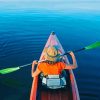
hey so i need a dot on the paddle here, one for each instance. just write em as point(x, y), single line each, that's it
point(12, 69)
point(9, 70)
point(91, 46)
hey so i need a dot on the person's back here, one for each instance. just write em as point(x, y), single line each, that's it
point(51, 69)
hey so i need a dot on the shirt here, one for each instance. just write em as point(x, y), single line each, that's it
point(51, 69)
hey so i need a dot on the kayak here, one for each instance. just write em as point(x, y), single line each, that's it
point(70, 92)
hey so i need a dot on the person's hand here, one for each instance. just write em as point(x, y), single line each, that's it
point(35, 62)
point(71, 53)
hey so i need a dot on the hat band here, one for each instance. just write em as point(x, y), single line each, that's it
point(52, 56)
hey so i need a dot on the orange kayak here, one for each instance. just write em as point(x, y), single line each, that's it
point(68, 93)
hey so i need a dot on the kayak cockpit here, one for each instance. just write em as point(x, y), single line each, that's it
point(50, 92)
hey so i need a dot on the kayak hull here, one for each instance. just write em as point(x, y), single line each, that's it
point(68, 93)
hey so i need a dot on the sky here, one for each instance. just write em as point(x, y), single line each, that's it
point(53, 5)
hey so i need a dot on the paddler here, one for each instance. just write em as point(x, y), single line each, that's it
point(53, 64)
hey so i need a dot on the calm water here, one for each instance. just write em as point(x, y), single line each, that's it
point(23, 36)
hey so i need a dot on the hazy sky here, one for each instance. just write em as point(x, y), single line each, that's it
point(60, 5)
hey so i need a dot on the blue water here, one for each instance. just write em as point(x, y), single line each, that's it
point(23, 36)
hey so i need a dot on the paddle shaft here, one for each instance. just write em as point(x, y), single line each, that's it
point(25, 65)
point(91, 46)
point(74, 51)
point(60, 55)
point(94, 45)
point(30, 64)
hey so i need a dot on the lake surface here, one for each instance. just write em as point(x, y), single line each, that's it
point(23, 36)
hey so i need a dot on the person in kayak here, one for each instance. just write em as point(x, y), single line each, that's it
point(53, 64)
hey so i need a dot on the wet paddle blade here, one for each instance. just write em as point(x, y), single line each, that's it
point(9, 70)
point(92, 46)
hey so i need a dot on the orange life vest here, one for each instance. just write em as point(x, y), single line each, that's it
point(51, 69)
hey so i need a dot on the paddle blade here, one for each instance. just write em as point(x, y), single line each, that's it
point(92, 46)
point(9, 70)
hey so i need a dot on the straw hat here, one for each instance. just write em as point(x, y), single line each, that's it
point(51, 53)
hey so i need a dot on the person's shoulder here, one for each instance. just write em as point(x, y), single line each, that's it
point(42, 63)
point(61, 63)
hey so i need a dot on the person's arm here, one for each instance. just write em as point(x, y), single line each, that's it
point(37, 71)
point(74, 65)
